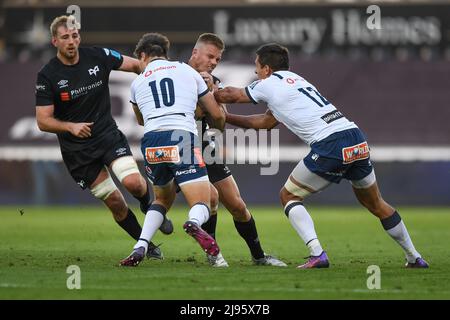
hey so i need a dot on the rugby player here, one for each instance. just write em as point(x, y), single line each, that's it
point(339, 149)
point(73, 101)
point(164, 98)
point(206, 55)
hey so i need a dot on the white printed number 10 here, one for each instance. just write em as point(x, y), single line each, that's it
point(309, 92)
point(167, 92)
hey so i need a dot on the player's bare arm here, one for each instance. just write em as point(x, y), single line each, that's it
point(48, 123)
point(138, 114)
point(214, 110)
point(232, 95)
point(130, 64)
point(254, 121)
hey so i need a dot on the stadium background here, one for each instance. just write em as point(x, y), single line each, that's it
point(393, 83)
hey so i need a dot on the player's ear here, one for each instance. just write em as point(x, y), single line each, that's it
point(54, 41)
point(267, 70)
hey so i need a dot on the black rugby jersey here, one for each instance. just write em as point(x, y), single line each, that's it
point(205, 125)
point(80, 93)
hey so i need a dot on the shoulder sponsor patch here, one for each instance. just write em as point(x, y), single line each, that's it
point(163, 154)
point(40, 87)
point(115, 54)
point(355, 153)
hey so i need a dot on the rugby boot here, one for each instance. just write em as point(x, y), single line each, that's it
point(419, 263)
point(166, 226)
point(205, 241)
point(217, 261)
point(320, 261)
point(154, 252)
point(134, 258)
point(269, 260)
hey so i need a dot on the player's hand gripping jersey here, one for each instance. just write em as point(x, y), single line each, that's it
point(167, 95)
point(297, 104)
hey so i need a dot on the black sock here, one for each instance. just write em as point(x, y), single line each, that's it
point(131, 225)
point(144, 200)
point(247, 230)
point(210, 226)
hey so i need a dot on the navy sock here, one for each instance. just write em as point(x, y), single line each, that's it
point(131, 225)
point(247, 230)
point(210, 225)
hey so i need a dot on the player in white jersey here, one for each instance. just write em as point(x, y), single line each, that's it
point(338, 149)
point(164, 98)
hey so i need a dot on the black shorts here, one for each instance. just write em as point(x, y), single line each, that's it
point(217, 172)
point(85, 165)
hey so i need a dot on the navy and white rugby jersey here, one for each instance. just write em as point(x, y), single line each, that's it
point(166, 93)
point(297, 104)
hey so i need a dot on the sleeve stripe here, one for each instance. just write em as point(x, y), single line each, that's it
point(249, 95)
point(203, 93)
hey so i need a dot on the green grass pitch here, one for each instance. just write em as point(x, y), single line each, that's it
point(38, 244)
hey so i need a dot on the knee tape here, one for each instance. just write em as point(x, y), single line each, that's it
point(104, 189)
point(124, 166)
point(366, 182)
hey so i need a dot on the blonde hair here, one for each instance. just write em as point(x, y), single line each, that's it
point(211, 38)
point(70, 22)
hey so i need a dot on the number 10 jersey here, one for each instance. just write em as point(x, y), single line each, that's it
point(166, 93)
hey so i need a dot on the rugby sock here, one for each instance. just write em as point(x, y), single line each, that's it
point(152, 222)
point(304, 225)
point(210, 225)
point(131, 225)
point(395, 227)
point(144, 200)
point(199, 213)
point(247, 230)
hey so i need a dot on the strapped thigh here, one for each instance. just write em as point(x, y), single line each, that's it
point(302, 182)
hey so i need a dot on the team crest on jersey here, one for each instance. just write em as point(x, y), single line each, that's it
point(166, 154)
point(94, 71)
point(356, 152)
point(63, 83)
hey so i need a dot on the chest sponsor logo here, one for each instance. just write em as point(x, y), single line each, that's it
point(63, 83)
point(355, 153)
point(166, 154)
point(65, 96)
point(94, 71)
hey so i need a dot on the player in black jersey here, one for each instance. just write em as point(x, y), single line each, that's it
point(73, 101)
point(205, 57)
